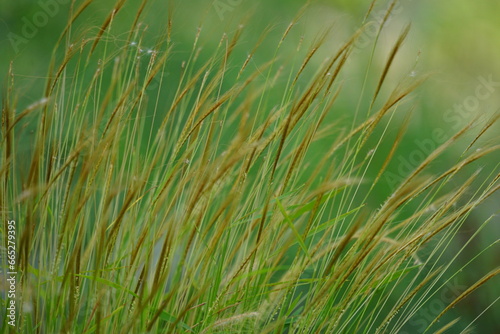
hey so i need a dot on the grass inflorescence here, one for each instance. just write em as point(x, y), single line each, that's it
point(219, 194)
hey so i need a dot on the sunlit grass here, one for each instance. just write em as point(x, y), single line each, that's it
point(199, 203)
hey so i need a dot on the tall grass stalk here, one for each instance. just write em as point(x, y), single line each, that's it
point(219, 194)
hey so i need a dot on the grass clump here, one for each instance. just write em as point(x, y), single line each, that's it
point(218, 194)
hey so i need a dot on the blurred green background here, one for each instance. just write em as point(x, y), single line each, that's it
point(456, 43)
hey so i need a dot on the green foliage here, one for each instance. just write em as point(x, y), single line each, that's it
point(222, 194)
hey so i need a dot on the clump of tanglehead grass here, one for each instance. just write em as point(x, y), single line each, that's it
point(198, 203)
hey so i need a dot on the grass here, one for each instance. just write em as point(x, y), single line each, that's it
point(219, 194)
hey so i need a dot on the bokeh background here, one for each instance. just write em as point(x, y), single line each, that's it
point(455, 43)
